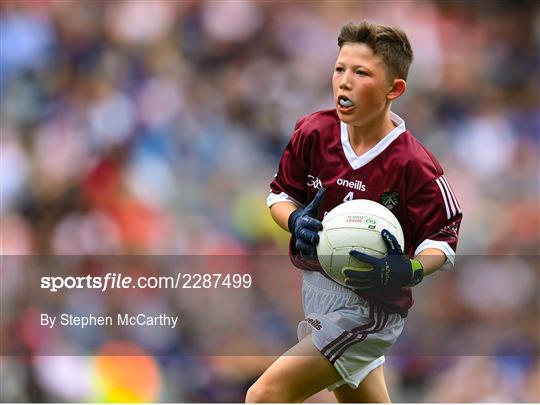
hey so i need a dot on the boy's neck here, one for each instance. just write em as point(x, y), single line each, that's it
point(363, 138)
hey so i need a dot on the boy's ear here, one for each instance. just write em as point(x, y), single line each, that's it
point(397, 89)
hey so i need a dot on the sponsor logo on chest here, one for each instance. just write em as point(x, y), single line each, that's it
point(315, 182)
point(355, 184)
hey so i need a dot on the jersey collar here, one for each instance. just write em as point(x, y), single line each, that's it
point(358, 161)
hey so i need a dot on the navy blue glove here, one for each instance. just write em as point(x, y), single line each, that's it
point(304, 225)
point(393, 270)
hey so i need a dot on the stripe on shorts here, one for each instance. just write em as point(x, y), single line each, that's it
point(331, 347)
point(351, 336)
point(360, 338)
point(355, 334)
point(335, 349)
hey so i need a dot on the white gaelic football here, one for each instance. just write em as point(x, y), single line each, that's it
point(355, 224)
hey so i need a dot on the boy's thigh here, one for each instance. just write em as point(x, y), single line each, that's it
point(295, 376)
point(371, 390)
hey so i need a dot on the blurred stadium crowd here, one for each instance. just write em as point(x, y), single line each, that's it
point(155, 127)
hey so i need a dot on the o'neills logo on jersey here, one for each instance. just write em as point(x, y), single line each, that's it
point(315, 323)
point(357, 184)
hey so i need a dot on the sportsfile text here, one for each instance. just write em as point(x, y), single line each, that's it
point(119, 281)
point(109, 281)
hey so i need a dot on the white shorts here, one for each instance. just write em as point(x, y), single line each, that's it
point(349, 331)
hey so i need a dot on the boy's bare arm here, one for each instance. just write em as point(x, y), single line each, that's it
point(281, 211)
point(431, 259)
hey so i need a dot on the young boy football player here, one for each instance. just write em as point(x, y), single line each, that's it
point(359, 150)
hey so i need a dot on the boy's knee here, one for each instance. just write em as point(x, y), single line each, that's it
point(264, 393)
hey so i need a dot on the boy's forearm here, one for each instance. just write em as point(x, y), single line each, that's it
point(431, 259)
point(281, 211)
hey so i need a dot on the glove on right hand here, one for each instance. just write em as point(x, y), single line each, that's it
point(304, 225)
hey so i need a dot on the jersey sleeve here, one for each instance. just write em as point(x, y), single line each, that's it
point(436, 214)
point(289, 184)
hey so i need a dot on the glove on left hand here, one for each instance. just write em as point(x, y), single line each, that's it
point(393, 270)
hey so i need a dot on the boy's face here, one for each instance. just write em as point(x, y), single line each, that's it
point(362, 90)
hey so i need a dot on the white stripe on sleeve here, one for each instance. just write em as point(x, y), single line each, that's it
point(449, 195)
point(452, 195)
point(444, 198)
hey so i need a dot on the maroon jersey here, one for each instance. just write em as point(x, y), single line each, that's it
point(399, 172)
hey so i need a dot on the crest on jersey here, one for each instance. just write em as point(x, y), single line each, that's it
point(390, 199)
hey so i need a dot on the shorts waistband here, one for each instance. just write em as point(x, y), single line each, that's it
point(317, 280)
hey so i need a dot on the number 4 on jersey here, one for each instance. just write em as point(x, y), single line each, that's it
point(349, 196)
